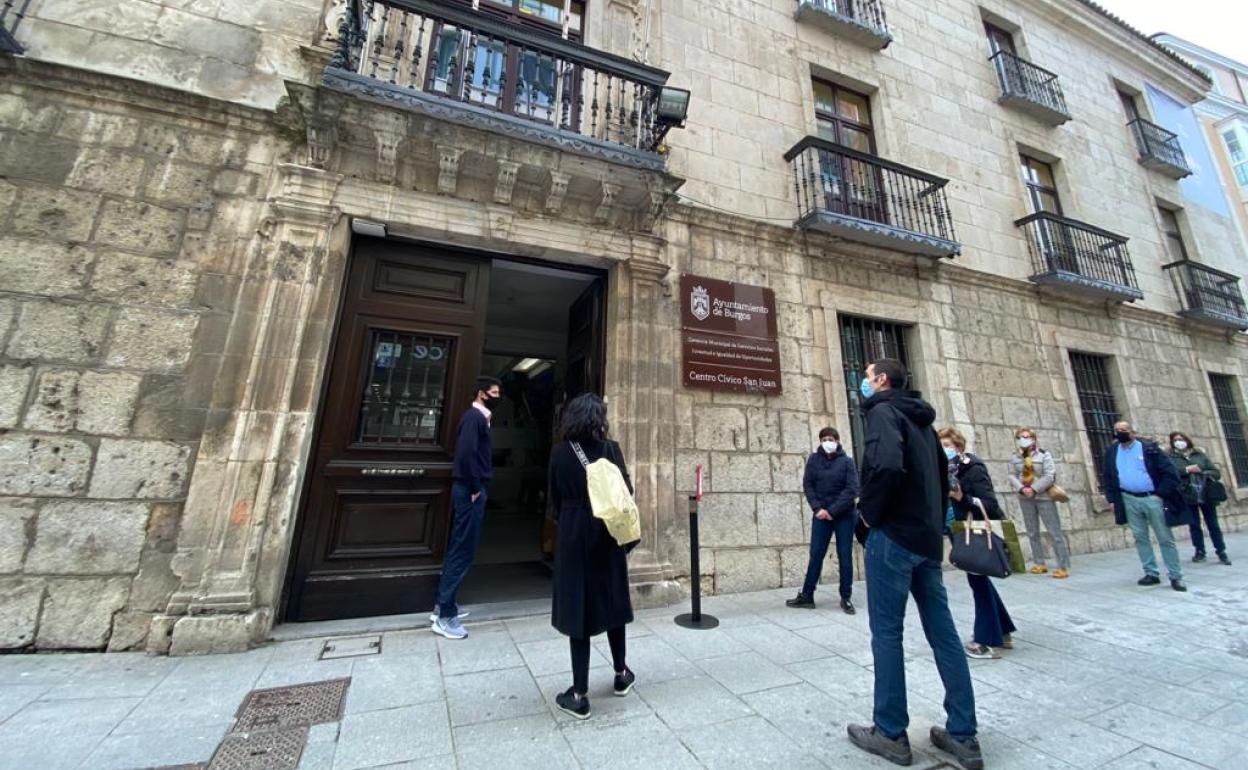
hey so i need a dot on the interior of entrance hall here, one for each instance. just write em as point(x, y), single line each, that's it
point(542, 336)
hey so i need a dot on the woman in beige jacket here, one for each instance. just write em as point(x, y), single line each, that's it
point(1032, 473)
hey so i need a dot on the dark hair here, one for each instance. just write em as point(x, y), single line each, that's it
point(585, 417)
point(829, 431)
point(484, 383)
point(893, 369)
point(1186, 437)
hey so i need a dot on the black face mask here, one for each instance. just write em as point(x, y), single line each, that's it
point(492, 402)
point(1122, 437)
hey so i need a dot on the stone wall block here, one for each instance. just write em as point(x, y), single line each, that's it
point(181, 184)
point(142, 227)
point(129, 468)
point(54, 331)
point(719, 428)
point(82, 537)
point(91, 127)
point(764, 427)
point(46, 268)
point(152, 340)
point(57, 214)
point(78, 613)
point(97, 402)
point(741, 472)
point(42, 466)
point(106, 171)
point(20, 601)
point(16, 521)
point(14, 383)
point(787, 472)
point(753, 569)
point(727, 520)
point(37, 158)
point(780, 519)
point(130, 279)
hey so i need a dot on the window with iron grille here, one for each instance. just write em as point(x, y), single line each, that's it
point(1224, 390)
point(864, 341)
point(1096, 401)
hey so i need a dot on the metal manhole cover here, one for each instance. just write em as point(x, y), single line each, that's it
point(292, 706)
point(272, 750)
point(351, 647)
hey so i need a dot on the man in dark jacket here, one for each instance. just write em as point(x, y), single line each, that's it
point(471, 472)
point(831, 485)
point(1140, 482)
point(904, 487)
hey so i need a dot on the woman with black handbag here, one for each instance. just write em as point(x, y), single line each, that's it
point(1200, 482)
point(973, 498)
point(590, 587)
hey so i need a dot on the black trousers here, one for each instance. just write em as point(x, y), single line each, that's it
point(580, 657)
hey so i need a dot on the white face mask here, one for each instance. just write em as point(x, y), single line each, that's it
point(1026, 443)
point(1180, 445)
point(829, 446)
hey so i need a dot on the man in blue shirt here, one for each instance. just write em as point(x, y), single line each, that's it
point(1139, 482)
point(471, 472)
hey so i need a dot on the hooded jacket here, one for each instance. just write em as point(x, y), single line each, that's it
point(904, 479)
point(831, 482)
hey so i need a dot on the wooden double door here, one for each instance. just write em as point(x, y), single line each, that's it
point(376, 510)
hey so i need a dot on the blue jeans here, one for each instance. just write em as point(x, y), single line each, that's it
point(992, 621)
point(821, 531)
point(1210, 511)
point(1144, 513)
point(461, 549)
point(892, 573)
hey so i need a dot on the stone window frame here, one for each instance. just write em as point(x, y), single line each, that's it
point(1124, 396)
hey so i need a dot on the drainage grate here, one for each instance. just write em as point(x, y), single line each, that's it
point(292, 706)
point(352, 647)
point(273, 750)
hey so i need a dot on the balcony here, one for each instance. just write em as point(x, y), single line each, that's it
point(861, 21)
point(1159, 149)
point(1030, 89)
point(870, 200)
point(1209, 296)
point(476, 69)
point(1075, 257)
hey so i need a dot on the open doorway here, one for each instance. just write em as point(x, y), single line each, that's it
point(544, 341)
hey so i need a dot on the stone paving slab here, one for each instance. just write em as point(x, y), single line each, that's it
point(1104, 674)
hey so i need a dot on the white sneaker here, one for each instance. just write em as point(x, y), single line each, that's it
point(451, 628)
point(433, 616)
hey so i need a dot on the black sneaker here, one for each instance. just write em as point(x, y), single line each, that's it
point(801, 601)
point(1198, 558)
point(1222, 558)
point(569, 703)
point(1148, 580)
point(848, 606)
point(1177, 585)
point(870, 740)
point(624, 682)
point(965, 750)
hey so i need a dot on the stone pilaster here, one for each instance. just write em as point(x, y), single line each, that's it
point(245, 484)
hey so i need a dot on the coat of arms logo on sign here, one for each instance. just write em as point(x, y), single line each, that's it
point(700, 303)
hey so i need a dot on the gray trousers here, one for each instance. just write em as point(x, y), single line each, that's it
point(1035, 511)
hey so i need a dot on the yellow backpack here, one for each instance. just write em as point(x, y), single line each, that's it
point(610, 499)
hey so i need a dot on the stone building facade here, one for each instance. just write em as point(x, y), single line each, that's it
point(189, 196)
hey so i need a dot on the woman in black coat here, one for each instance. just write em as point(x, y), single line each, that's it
point(591, 570)
point(993, 625)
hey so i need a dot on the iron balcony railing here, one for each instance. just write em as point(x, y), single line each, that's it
point(11, 14)
point(885, 201)
point(491, 65)
point(862, 19)
point(1159, 147)
point(1209, 294)
point(1071, 252)
point(1030, 87)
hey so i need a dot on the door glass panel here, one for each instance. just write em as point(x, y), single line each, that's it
point(855, 139)
point(825, 101)
point(827, 130)
point(851, 106)
point(405, 394)
point(535, 86)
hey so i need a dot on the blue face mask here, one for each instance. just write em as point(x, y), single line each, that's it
point(865, 387)
point(950, 452)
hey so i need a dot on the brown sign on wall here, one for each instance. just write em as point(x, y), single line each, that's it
point(728, 336)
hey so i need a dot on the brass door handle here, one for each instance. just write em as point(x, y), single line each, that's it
point(374, 471)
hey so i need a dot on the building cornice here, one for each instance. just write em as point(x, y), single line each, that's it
point(1183, 47)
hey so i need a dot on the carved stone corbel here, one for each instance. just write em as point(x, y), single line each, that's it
point(448, 168)
point(389, 131)
point(322, 128)
point(603, 212)
point(558, 190)
point(654, 212)
point(506, 181)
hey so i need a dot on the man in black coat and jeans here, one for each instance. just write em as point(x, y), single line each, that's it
point(904, 489)
point(831, 486)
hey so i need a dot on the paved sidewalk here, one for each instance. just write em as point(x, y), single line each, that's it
point(1105, 674)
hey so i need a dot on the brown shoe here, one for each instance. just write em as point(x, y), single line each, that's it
point(1060, 573)
point(1038, 569)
